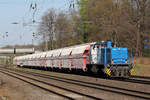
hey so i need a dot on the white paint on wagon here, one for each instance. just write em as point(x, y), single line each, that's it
point(57, 52)
point(43, 54)
point(66, 51)
point(34, 56)
point(80, 48)
point(49, 54)
point(38, 55)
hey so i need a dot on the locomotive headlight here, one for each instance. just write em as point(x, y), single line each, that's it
point(126, 60)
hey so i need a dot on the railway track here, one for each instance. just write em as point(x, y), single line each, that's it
point(137, 81)
point(94, 86)
point(142, 77)
point(60, 91)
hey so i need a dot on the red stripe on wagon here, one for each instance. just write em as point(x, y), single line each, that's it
point(52, 63)
point(70, 59)
point(60, 61)
point(45, 61)
point(85, 58)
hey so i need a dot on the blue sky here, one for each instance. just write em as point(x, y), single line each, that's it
point(19, 11)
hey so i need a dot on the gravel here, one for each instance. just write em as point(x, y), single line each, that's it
point(14, 89)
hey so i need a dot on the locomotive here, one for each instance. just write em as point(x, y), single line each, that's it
point(96, 57)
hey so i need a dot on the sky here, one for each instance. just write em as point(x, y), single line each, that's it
point(18, 11)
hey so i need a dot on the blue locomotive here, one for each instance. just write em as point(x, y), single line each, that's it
point(111, 60)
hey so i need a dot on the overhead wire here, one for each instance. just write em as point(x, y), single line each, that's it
point(34, 7)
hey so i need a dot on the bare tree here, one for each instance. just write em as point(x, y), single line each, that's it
point(141, 18)
point(57, 29)
point(47, 28)
point(62, 27)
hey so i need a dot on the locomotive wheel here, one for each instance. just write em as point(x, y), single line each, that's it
point(95, 69)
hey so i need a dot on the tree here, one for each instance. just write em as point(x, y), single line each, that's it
point(57, 29)
point(63, 30)
point(47, 29)
point(99, 18)
point(142, 18)
point(122, 21)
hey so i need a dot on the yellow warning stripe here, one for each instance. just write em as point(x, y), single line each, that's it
point(108, 71)
point(131, 71)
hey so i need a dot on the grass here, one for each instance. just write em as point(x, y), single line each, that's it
point(138, 69)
